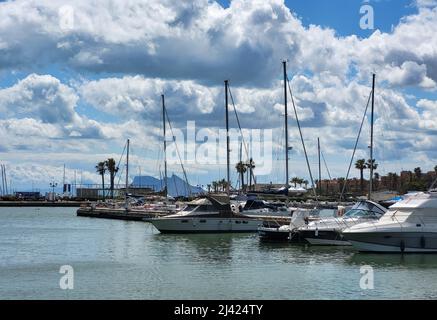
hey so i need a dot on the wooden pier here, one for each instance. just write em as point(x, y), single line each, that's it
point(117, 213)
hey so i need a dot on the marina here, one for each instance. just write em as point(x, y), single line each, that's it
point(116, 259)
point(218, 150)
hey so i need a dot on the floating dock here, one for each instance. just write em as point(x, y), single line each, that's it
point(118, 213)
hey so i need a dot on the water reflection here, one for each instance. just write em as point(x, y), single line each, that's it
point(410, 261)
point(199, 248)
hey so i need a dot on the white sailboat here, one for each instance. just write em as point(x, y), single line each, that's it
point(329, 231)
point(211, 215)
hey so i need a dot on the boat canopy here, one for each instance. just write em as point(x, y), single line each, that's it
point(366, 207)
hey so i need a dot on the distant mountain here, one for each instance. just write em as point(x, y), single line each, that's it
point(176, 186)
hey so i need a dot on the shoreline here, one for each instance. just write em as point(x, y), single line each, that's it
point(41, 203)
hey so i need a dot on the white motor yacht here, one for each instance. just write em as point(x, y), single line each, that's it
point(328, 231)
point(283, 233)
point(409, 225)
point(212, 215)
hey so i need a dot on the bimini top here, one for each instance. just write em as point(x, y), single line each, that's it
point(366, 208)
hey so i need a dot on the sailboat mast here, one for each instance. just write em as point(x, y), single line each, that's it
point(371, 138)
point(284, 63)
point(320, 167)
point(127, 173)
point(165, 148)
point(227, 140)
point(64, 187)
point(6, 181)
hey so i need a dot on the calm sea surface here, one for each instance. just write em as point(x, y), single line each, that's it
point(130, 260)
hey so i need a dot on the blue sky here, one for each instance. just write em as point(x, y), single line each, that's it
point(74, 93)
point(343, 15)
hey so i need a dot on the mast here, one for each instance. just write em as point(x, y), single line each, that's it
point(1, 185)
point(165, 147)
point(6, 181)
point(127, 174)
point(284, 63)
point(227, 139)
point(64, 187)
point(320, 167)
point(3, 182)
point(74, 188)
point(371, 139)
point(241, 161)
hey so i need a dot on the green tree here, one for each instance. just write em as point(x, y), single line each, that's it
point(418, 173)
point(251, 166)
point(112, 168)
point(101, 169)
point(295, 180)
point(371, 163)
point(361, 165)
point(215, 186)
point(241, 169)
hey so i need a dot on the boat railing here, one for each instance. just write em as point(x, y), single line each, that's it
point(395, 215)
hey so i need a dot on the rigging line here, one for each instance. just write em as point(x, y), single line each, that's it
point(238, 122)
point(433, 185)
point(301, 138)
point(326, 166)
point(241, 131)
point(179, 155)
point(355, 147)
point(118, 164)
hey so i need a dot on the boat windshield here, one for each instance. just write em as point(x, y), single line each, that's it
point(190, 207)
point(359, 213)
point(365, 209)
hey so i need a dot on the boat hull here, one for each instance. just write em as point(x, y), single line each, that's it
point(273, 234)
point(277, 235)
point(393, 242)
point(202, 225)
point(324, 237)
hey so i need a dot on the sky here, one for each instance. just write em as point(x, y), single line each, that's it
point(77, 79)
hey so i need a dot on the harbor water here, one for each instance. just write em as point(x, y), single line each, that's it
point(114, 259)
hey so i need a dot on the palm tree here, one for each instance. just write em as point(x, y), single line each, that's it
point(361, 165)
point(295, 180)
point(241, 169)
point(250, 165)
point(305, 182)
point(112, 169)
point(370, 163)
point(300, 182)
point(418, 173)
point(216, 186)
point(224, 184)
point(101, 169)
